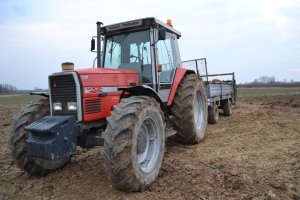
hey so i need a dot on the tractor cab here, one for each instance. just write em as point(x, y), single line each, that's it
point(147, 46)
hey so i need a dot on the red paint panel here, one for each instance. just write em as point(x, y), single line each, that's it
point(104, 80)
point(105, 71)
point(106, 104)
point(108, 77)
point(180, 72)
point(96, 78)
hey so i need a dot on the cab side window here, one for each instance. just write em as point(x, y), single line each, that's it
point(140, 53)
point(113, 58)
point(166, 58)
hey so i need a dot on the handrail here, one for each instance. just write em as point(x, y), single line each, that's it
point(224, 74)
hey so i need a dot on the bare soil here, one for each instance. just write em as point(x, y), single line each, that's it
point(254, 154)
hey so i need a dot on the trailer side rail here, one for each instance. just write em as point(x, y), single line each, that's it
point(216, 89)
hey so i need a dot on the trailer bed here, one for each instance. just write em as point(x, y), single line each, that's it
point(216, 89)
point(217, 92)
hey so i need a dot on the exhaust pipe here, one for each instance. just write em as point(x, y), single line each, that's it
point(99, 44)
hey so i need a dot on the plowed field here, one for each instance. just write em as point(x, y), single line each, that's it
point(254, 154)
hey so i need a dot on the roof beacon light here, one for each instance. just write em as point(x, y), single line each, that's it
point(169, 22)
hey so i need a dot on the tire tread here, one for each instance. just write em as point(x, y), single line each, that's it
point(182, 109)
point(117, 142)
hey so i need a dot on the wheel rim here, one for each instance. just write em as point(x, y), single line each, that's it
point(216, 113)
point(51, 164)
point(230, 108)
point(148, 145)
point(198, 110)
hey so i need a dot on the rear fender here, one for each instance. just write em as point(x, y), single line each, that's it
point(180, 73)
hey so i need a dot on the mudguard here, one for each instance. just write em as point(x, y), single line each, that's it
point(44, 94)
point(180, 73)
point(147, 91)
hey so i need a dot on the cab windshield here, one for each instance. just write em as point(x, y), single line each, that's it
point(130, 51)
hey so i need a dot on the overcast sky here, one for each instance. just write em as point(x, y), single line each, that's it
point(249, 37)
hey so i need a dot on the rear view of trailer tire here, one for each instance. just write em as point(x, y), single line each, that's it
point(213, 113)
point(227, 107)
point(18, 137)
point(189, 109)
point(134, 143)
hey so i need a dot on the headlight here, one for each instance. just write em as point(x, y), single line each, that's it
point(72, 106)
point(57, 107)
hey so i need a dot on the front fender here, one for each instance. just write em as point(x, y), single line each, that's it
point(144, 90)
point(44, 94)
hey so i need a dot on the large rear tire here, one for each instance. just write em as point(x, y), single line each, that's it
point(189, 109)
point(134, 143)
point(18, 137)
point(213, 114)
point(227, 107)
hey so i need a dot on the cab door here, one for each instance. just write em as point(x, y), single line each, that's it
point(167, 55)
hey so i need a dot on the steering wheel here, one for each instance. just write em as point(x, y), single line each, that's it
point(136, 58)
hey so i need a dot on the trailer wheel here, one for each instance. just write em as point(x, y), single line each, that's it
point(227, 107)
point(213, 114)
point(189, 109)
point(17, 142)
point(134, 143)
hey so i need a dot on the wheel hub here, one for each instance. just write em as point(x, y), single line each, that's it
point(142, 143)
point(148, 145)
point(198, 111)
point(216, 113)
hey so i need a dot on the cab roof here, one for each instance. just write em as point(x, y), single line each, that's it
point(138, 24)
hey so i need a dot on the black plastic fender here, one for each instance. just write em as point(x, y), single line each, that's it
point(145, 90)
point(44, 94)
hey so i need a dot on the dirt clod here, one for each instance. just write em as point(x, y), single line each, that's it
point(278, 185)
point(5, 124)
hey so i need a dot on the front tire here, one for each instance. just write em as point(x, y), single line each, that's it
point(189, 109)
point(134, 143)
point(18, 137)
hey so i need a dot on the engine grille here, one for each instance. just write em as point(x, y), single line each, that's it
point(93, 106)
point(63, 90)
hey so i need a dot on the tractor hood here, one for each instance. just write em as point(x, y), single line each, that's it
point(103, 77)
point(95, 80)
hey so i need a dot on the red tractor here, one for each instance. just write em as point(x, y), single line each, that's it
point(136, 97)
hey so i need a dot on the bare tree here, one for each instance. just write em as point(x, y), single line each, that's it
point(7, 88)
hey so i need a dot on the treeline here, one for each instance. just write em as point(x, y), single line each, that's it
point(10, 89)
point(7, 89)
point(270, 81)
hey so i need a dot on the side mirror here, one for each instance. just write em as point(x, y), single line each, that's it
point(93, 42)
point(162, 33)
point(159, 68)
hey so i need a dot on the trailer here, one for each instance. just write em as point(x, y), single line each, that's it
point(221, 94)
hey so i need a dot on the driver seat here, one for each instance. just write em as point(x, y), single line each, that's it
point(132, 66)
